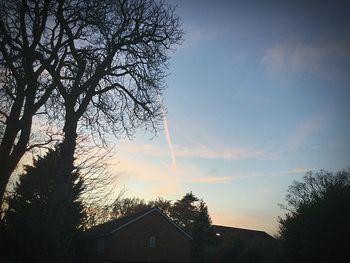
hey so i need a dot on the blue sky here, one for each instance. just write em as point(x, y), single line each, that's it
point(257, 95)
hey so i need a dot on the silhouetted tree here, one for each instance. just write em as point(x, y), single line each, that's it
point(316, 227)
point(120, 207)
point(163, 204)
point(204, 237)
point(125, 206)
point(113, 68)
point(30, 37)
point(184, 211)
point(192, 215)
point(33, 230)
point(102, 65)
point(112, 71)
point(99, 184)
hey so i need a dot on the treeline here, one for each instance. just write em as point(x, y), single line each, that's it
point(316, 226)
point(317, 207)
point(32, 231)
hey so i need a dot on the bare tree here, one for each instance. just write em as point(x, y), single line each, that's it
point(112, 76)
point(100, 63)
point(114, 67)
point(113, 71)
point(29, 38)
point(99, 184)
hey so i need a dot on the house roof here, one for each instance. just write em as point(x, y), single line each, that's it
point(229, 234)
point(111, 227)
point(241, 232)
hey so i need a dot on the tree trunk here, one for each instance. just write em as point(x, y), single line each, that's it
point(61, 194)
point(68, 146)
point(18, 127)
point(11, 153)
point(8, 161)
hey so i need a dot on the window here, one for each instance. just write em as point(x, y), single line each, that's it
point(152, 242)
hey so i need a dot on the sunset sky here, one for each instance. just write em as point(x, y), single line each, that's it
point(257, 95)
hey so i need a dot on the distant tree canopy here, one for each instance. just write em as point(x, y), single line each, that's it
point(126, 206)
point(316, 227)
point(33, 230)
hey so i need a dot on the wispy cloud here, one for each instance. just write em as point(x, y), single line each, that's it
point(207, 179)
point(198, 151)
point(221, 153)
point(198, 34)
point(295, 171)
point(156, 172)
point(127, 168)
point(320, 57)
point(160, 178)
point(308, 128)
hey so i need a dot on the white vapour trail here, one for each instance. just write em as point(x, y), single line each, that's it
point(170, 145)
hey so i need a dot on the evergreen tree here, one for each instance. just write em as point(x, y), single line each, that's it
point(38, 228)
point(203, 234)
point(192, 215)
point(184, 211)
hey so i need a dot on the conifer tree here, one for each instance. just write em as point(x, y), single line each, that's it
point(202, 233)
point(191, 213)
point(184, 211)
point(34, 231)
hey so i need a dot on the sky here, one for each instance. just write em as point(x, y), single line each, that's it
point(258, 94)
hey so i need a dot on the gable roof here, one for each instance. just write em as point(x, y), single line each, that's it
point(111, 227)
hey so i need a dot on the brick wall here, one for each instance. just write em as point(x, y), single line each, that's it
point(131, 243)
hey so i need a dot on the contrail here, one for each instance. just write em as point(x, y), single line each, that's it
point(167, 135)
point(170, 145)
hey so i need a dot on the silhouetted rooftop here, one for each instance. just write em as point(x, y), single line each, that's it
point(114, 225)
point(108, 227)
point(241, 233)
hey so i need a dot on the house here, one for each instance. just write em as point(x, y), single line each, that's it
point(151, 236)
point(147, 236)
point(227, 235)
point(244, 245)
